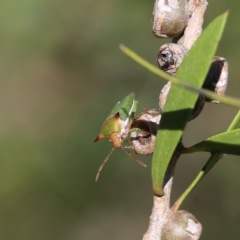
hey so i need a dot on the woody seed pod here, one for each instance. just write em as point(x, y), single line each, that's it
point(197, 108)
point(169, 17)
point(182, 225)
point(170, 56)
point(217, 77)
point(143, 140)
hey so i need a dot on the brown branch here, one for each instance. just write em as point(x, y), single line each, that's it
point(160, 213)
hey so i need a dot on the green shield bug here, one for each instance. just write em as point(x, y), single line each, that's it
point(117, 127)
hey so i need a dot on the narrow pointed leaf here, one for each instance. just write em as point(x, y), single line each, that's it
point(227, 143)
point(180, 102)
point(211, 162)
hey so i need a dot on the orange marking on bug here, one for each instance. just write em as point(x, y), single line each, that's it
point(99, 137)
point(116, 122)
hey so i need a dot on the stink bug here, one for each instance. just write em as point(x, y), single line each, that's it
point(117, 127)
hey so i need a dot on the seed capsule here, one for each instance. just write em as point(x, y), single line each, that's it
point(217, 77)
point(170, 56)
point(143, 139)
point(181, 225)
point(197, 108)
point(169, 17)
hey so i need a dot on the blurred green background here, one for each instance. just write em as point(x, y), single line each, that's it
point(61, 73)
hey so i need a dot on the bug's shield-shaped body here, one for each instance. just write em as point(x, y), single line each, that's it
point(117, 126)
point(118, 123)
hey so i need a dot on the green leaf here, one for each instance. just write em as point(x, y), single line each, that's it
point(214, 158)
point(207, 93)
point(180, 102)
point(232, 101)
point(227, 143)
point(236, 122)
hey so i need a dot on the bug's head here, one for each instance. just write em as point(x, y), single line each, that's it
point(116, 140)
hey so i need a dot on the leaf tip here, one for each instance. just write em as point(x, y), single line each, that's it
point(121, 46)
point(227, 12)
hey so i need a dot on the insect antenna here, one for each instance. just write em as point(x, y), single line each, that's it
point(102, 165)
point(134, 157)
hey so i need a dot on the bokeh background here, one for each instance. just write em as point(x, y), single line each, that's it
point(61, 73)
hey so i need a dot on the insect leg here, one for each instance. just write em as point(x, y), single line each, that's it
point(102, 165)
point(134, 158)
